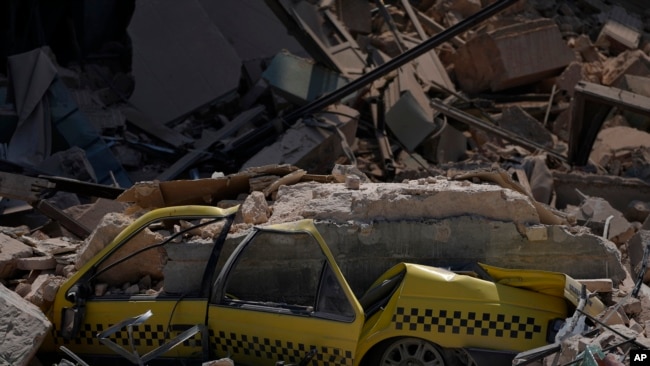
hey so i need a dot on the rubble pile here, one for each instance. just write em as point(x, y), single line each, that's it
point(388, 122)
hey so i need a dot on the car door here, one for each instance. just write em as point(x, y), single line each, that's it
point(154, 269)
point(281, 297)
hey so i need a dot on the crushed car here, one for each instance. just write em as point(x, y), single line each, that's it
point(280, 296)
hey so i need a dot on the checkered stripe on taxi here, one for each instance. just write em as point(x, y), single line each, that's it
point(466, 323)
point(275, 349)
point(143, 335)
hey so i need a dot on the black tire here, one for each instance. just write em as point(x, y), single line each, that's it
point(410, 352)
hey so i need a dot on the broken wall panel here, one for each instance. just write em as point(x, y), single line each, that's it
point(181, 61)
point(512, 56)
point(618, 191)
point(261, 35)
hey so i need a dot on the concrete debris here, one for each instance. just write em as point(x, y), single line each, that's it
point(603, 219)
point(486, 62)
point(23, 328)
point(399, 127)
point(255, 209)
point(11, 250)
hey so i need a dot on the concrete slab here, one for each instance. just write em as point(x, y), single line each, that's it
point(181, 61)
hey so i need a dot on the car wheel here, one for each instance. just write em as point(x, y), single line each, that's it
point(412, 352)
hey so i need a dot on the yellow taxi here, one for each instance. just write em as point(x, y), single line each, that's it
point(279, 296)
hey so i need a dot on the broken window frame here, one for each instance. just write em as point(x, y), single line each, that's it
point(327, 272)
point(86, 281)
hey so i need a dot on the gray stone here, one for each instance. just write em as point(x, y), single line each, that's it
point(22, 328)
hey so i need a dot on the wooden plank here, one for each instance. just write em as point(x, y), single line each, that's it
point(62, 218)
point(21, 187)
point(522, 178)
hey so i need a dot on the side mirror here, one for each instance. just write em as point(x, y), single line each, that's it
point(71, 319)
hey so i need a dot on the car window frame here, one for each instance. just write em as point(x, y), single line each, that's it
point(221, 283)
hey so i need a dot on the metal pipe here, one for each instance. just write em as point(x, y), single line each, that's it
point(469, 119)
point(397, 61)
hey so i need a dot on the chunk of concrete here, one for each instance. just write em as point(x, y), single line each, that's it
point(617, 141)
point(596, 213)
point(185, 266)
point(23, 328)
point(634, 62)
point(10, 251)
point(622, 31)
point(111, 225)
point(93, 214)
point(149, 262)
point(43, 290)
point(255, 210)
point(618, 37)
point(36, 263)
point(427, 198)
point(512, 56)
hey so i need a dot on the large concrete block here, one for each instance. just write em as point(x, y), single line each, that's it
point(364, 251)
point(22, 328)
point(184, 268)
point(512, 56)
point(431, 198)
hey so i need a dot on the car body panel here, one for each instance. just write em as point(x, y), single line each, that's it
point(457, 311)
point(101, 313)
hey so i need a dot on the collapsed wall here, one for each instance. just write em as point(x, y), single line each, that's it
point(440, 222)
